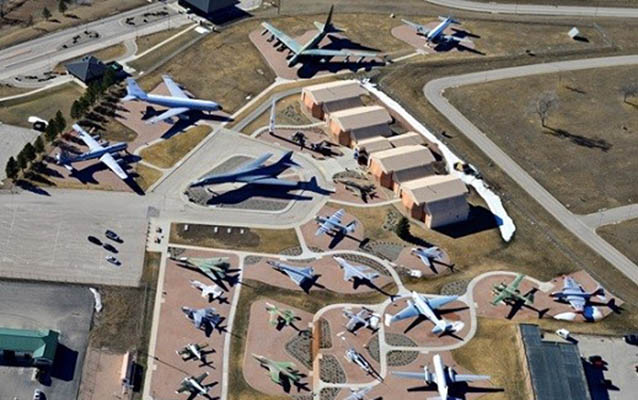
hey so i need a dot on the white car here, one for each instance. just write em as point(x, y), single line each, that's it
point(564, 333)
point(113, 260)
point(38, 395)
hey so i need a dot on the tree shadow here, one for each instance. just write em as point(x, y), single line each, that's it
point(579, 140)
point(30, 187)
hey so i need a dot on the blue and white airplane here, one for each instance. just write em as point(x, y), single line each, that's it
point(256, 172)
point(178, 102)
point(435, 35)
point(423, 307)
point(297, 50)
point(96, 150)
point(299, 275)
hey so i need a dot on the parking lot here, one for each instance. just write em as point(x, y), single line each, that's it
point(12, 140)
point(66, 309)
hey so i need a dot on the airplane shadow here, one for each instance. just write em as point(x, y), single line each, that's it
point(356, 282)
point(458, 390)
point(249, 191)
point(448, 45)
point(599, 386)
point(307, 284)
point(85, 175)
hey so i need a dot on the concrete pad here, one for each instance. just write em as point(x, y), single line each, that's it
point(282, 137)
point(102, 373)
point(408, 35)
point(326, 241)
point(408, 260)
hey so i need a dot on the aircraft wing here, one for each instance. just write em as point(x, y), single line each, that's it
point(418, 27)
point(273, 182)
point(408, 312)
point(289, 42)
point(500, 297)
point(200, 378)
point(439, 302)
point(577, 302)
point(336, 217)
point(173, 88)
point(425, 259)
point(113, 165)
point(253, 164)
point(570, 284)
point(411, 375)
point(470, 378)
point(516, 282)
point(182, 388)
point(91, 143)
point(197, 318)
point(171, 112)
point(274, 373)
point(337, 53)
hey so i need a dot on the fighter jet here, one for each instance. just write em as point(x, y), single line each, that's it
point(280, 317)
point(194, 386)
point(211, 292)
point(359, 320)
point(423, 307)
point(357, 274)
point(436, 34)
point(193, 351)
point(297, 50)
point(428, 256)
point(96, 150)
point(333, 224)
point(510, 293)
point(203, 317)
point(300, 275)
point(178, 102)
point(216, 268)
point(257, 173)
point(279, 369)
point(575, 295)
point(443, 376)
point(354, 356)
point(359, 394)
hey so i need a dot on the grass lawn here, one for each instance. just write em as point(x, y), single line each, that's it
point(271, 241)
point(146, 42)
point(146, 176)
point(592, 126)
point(115, 131)
point(288, 112)
point(168, 152)
point(623, 236)
point(106, 54)
point(157, 56)
point(43, 104)
point(8, 90)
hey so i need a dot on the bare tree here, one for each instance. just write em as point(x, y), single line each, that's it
point(546, 103)
point(629, 90)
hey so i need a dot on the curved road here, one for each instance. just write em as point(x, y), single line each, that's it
point(538, 9)
point(434, 91)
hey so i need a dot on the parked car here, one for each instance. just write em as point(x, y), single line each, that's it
point(95, 240)
point(113, 260)
point(113, 236)
point(110, 247)
point(38, 395)
point(632, 339)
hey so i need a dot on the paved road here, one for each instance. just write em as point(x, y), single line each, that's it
point(44, 53)
point(433, 91)
point(538, 9)
point(611, 216)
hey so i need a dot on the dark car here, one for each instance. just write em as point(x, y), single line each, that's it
point(95, 240)
point(632, 339)
point(113, 236)
point(110, 247)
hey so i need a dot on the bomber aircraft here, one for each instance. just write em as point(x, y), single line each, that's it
point(333, 224)
point(193, 351)
point(216, 268)
point(510, 293)
point(194, 386)
point(424, 307)
point(359, 394)
point(574, 294)
point(361, 319)
point(203, 317)
point(429, 256)
point(280, 318)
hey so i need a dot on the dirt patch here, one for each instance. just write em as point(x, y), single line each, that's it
point(623, 236)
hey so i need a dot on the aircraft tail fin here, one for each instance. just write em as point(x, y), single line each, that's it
point(351, 226)
point(451, 19)
point(442, 326)
point(63, 158)
point(133, 90)
point(328, 27)
point(288, 161)
point(598, 292)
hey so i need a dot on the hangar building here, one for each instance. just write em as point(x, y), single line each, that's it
point(437, 200)
point(395, 166)
point(353, 125)
point(326, 98)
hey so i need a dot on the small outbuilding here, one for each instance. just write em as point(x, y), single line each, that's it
point(401, 164)
point(353, 125)
point(87, 69)
point(326, 98)
point(438, 200)
point(34, 348)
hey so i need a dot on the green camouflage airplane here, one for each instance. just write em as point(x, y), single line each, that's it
point(215, 268)
point(504, 293)
point(279, 368)
point(276, 315)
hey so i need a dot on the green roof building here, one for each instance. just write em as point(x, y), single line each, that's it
point(37, 347)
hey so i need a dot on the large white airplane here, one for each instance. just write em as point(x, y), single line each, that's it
point(443, 376)
point(435, 35)
point(96, 150)
point(422, 306)
point(178, 102)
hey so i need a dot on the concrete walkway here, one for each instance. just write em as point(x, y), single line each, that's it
point(538, 9)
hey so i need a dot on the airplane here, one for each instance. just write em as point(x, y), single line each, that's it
point(96, 150)
point(297, 50)
point(357, 358)
point(575, 295)
point(333, 224)
point(279, 317)
point(193, 351)
point(203, 317)
point(428, 256)
point(216, 268)
point(366, 191)
point(178, 102)
point(271, 122)
point(356, 273)
point(279, 368)
point(255, 172)
point(510, 293)
point(359, 320)
point(421, 306)
point(435, 35)
point(359, 394)
point(211, 292)
point(443, 376)
point(194, 385)
point(300, 275)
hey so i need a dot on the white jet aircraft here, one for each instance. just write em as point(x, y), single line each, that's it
point(356, 273)
point(211, 292)
point(428, 256)
point(435, 35)
point(422, 306)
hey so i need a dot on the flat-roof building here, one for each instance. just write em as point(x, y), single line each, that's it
point(353, 125)
point(438, 200)
point(395, 166)
point(207, 6)
point(326, 98)
point(35, 348)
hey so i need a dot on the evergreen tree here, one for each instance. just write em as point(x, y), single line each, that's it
point(22, 160)
point(51, 131)
point(76, 111)
point(402, 228)
point(46, 13)
point(62, 6)
point(60, 122)
point(29, 152)
point(12, 168)
point(38, 145)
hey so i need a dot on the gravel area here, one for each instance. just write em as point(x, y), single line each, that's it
point(392, 339)
point(300, 347)
point(387, 250)
point(292, 251)
point(454, 288)
point(329, 393)
point(330, 370)
point(397, 358)
point(251, 260)
point(325, 338)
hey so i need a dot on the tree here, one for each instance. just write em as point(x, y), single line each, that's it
point(629, 90)
point(12, 168)
point(29, 152)
point(22, 160)
point(38, 145)
point(62, 6)
point(402, 228)
point(46, 13)
point(51, 131)
point(546, 103)
point(60, 122)
point(109, 78)
point(76, 110)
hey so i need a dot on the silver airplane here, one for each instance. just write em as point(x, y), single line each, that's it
point(575, 295)
point(257, 173)
point(435, 35)
point(356, 273)
point(96, 150)
point(194, 385)
point(299, 275)
point(428, 256)
point(297, 50)
point(357, 358)
point(359, 394)
point(203, 317)
point(178, 102)
point(333, 224)
point(193, 351)
point(422, 306)
point(443, 376)
point(358, 320)
point(211, 292)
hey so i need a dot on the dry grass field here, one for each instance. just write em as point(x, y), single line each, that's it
point(43, 104)
point(166, 153)
point(146, 176)
point(586, 154)
point(9, 90)
point(146, 42)
point(623, 236)
point(157, 56)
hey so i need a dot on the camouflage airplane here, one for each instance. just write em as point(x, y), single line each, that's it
point(278, 369)
point(510, 293)
point(216, 268)
point(194, 386)
point(277, 316)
